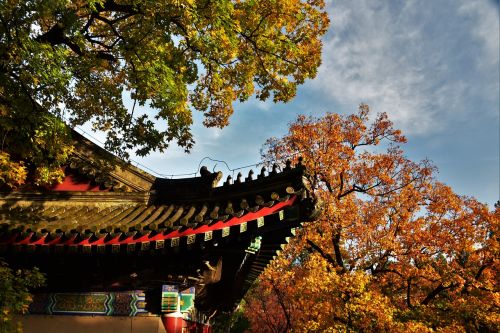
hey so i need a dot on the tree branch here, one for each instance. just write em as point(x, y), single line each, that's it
point(325, 255)
point(336, 248)
point(258, 49)
point(481, 270)
point(408, 293)
point(283, 307)
point(327, 183)
point(341, 188)
point(383, 270)
point(436, 292)
point(55, 36)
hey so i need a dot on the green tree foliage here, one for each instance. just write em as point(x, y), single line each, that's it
point(79, 59)
point(14, 294)
point(234, 322)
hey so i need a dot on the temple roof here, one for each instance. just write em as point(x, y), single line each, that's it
point(128, 223)
point(172, 208)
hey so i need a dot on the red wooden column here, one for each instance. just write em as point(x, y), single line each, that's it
point(174, 322)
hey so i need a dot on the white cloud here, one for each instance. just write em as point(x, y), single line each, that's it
point(486, 29)
point(400, 59)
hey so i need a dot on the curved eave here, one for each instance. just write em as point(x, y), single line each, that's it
point(171, 237)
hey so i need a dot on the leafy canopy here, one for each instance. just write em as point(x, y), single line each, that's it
point(15, 296)
point(394, 250)
point(80, 59)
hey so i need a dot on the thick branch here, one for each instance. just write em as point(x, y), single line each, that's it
point(336, 248)
point(408, 293)
point(111, 26)
point(435, 292)
point(341, 188)
point(327, 183)
point(481, 270)
point(283, 307)
point(325, 255)
point(55, 36)
point(476, 277)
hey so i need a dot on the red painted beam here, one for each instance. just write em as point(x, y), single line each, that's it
point(72, 240)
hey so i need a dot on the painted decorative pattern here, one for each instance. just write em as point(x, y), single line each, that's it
point(130, 303)
point(187, 299)
point(122, 306)
point(169, 298)
point(94, 303)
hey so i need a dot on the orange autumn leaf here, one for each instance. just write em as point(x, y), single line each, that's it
point(394, 249)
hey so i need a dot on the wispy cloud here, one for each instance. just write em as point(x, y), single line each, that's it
point(486, 28)
point(432, 65)
point(400, 57)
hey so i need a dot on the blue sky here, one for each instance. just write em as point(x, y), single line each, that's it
point(433, 66)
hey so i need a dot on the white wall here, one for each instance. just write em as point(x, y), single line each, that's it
point(94, 324)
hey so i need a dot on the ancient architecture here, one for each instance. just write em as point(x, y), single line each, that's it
point(117, 241)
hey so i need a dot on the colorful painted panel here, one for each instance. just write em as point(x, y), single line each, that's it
point(91, 303)
point(169, 298)
point(187, 299)
point(138, 304)
point(130, 303)
point(121, 306)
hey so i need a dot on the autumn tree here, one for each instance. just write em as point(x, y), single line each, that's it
point(394, 250)
point(78, 60)
point(15, 294)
